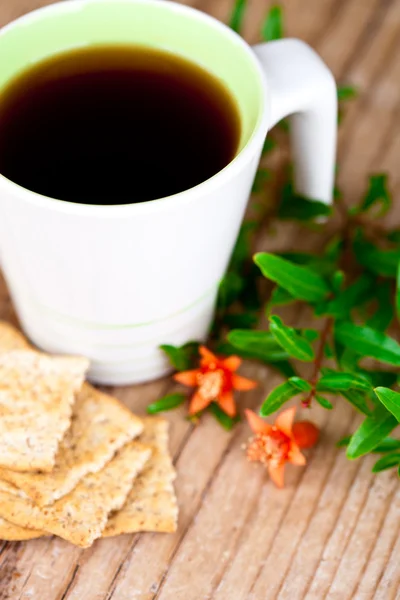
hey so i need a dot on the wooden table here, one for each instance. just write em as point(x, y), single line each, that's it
point(333, 532)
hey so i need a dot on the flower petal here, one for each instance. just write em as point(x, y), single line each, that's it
point(198, 403)
point(232, 363)
point(256, 423)
point(242, 383)
point(187, 377)
point(277, 474)
point(305, 434)
point(295, 456)
point(207, 357)
point(227, 402)
point(284, 421)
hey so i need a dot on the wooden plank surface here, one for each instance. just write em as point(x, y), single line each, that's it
point(333, 532)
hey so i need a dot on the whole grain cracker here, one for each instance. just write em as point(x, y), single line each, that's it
point(100, 425)
point(151, 504)
point(13, 533)
point(37, 392)
point(81, 515)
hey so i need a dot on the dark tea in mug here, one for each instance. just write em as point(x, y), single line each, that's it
point(115, 125)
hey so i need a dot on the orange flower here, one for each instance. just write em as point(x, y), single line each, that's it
point(215, 381)
point(275, 445)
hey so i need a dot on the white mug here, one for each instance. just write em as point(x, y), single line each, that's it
point(114, 282)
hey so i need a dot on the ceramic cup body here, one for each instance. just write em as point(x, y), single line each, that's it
point(115, 282)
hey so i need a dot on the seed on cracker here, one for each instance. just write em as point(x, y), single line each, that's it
point(36, 397)
point(151, 505)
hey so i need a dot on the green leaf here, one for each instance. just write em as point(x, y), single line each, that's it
point(283, 366)
point(242, 250)
point(334, 249)
point(293, 206)
point(349, 298)
point(295, 345)
point(239, 282)
point(338, 382)
point(370, 433)
point(223, 419)
point(338, 281)
point(398, 292)
point(301, 282)
point(384, 314)
point(244, 320)
point(348, 360)
point(394, 236)
point(379, 378)
point(387, 462)
point(324, 402)
point(257, 344)
point(387, 445)
point(323, 265)
point(358, 400)
point(300, 384)
point(237, 16)
point(343, 442)
point(227, 349)
point(230, 289)
point(283, 125)
point(377, 194)
point(269, 145)
point(390, 399)
point(250, 296)
point(280, 297)
point(302, 209)
point(281, 394)
point(368, 342)
point(182, 357)
point(337, 193)
point(261, 178)
point(166, 403)
point(272, 28)
point(346, 92)
point(310, 334)
point(381, 262)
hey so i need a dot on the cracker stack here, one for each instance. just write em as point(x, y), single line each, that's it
point(74, 462)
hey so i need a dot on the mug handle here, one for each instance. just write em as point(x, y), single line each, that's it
point(302, 87)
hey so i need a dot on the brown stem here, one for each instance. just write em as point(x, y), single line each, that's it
point(318, 361)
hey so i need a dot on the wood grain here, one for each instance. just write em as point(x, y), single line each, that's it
point(333, 532)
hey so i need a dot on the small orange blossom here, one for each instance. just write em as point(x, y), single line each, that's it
point(215, 381)
point(275, 445)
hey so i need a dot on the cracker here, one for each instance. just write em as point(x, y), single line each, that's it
point(151, 504)
point(11, 338)
point(37, 392)
point(14, 533)
point(80, 516)
point(100, 426)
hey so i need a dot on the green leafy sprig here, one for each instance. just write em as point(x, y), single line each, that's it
point(351, 287)
point(355, 293)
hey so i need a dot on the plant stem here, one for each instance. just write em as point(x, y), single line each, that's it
point(318, 361)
